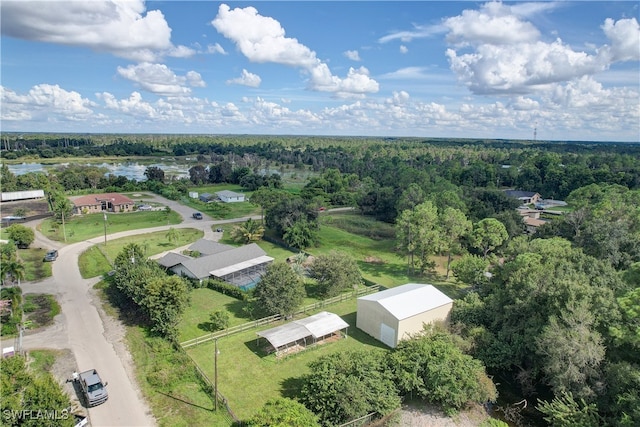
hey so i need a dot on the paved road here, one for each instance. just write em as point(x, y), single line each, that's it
point(80, 328)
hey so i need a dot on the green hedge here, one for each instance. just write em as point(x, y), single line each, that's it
point(227, 289)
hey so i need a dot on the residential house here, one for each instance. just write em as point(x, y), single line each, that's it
point(106, 202)
point(227, 196)
point(525, 197)
point(241, 266)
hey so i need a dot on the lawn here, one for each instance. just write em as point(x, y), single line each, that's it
point(219, 210)
point(34, 266)
point(82, 227)
point(248, 377)
point(98, 259)
point(203, 302)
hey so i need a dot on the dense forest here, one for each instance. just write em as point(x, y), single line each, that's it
point(555, 314)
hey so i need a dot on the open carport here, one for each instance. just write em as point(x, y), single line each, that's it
point(300, 334)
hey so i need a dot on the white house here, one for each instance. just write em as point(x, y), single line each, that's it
point(397, 313)
point(230, 196)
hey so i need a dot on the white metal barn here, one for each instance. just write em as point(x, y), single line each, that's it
point(395, 314)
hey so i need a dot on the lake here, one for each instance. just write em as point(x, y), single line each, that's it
point(130, 170)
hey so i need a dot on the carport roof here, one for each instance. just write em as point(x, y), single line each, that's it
point(316, 326)
point(409, 300)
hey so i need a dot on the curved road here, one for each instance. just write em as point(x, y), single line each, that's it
point(80, 328)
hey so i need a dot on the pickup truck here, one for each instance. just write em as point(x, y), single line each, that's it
point(95, 392)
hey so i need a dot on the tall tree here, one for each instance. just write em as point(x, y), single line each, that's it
point(280, 290)
point(431, 367)
point(418, 234)
point(154, 173)
point(488, 234)
point(335, 272)
point(454, 225)
point(165, 300)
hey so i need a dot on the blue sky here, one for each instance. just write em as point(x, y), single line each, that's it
point(569, 70)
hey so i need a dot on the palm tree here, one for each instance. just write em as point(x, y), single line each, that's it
point(14, 268)
point(250, 231)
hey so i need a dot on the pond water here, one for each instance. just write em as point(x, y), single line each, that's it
point(130, 170)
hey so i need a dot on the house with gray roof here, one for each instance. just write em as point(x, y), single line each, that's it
point(241, 266)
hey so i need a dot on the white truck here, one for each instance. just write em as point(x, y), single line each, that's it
point(94, 390)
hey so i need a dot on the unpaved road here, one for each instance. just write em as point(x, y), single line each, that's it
point(95, 340)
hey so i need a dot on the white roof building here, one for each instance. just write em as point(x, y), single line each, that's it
point(304, 332)
point(397, 313)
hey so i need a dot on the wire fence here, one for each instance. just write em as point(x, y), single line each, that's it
point(276, 318)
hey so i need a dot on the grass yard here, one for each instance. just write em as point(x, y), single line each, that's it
point(34, 266)
point(247, 377)
point(219, 210)
point(83, 227)
point(203, 302)
point(98, 259)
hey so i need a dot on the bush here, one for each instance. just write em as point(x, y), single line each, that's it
point(227, 289)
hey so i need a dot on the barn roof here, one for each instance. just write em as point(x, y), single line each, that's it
point(316, 326)
point(409, 300)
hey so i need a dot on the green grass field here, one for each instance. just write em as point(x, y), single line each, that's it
point(82, 227)
point(248, 376)
point(34, 266)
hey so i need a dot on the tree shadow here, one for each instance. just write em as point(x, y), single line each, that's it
point(238, 309)
point(128, 312)
point(291, 387)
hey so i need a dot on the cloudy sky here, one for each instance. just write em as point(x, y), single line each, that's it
point(566, 70)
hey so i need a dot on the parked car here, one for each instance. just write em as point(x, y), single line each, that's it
point(197, 215)
point(219, 230)
point(145, 208)
point(51, 255)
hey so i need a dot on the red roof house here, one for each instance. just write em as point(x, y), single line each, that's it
point(106, 202)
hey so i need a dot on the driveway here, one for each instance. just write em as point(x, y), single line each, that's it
point(95, 339)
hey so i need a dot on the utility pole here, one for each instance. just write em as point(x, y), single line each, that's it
point(105, 228)
point(64, 230)
point(215, 376)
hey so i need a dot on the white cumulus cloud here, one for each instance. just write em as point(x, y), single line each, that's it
point(625, 38)
point(160, 79)
point(352, 55)
point(246, 79)
point(495, 50)
point(44, 102)
point(121, 27)
point(262, 39)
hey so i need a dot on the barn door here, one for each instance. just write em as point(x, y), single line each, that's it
point(388, 335)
